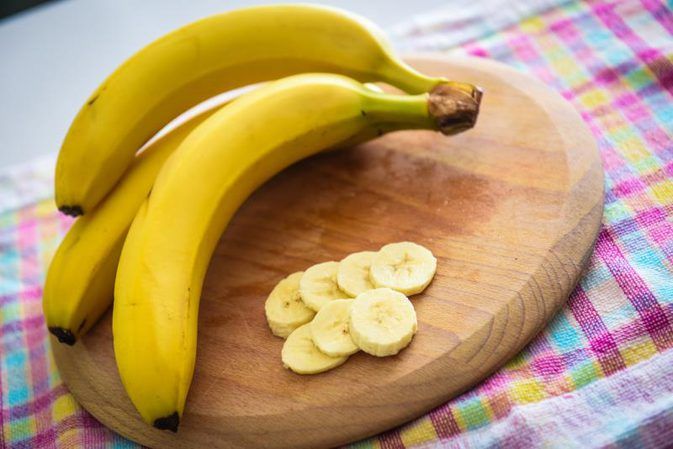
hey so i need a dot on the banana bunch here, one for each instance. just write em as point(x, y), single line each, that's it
point(324, 325)
point(151, 219)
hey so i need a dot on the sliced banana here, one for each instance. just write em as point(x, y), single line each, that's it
point(353, 273)
point(329, 329)
point(318, 285)
point(405, 267)
point(382, 321)
point(285, 311)
point(302, 356)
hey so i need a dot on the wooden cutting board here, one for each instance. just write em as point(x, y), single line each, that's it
point(511, 209)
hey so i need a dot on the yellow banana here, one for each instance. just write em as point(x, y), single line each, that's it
point(80, 282)
point(205, 58)
point(171, 240)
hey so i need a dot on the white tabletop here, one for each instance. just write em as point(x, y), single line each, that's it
point(53, 56)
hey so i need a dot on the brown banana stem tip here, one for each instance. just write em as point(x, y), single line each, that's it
point(454, 106)
point(73, 211)
point(63, 335)
point(170, 422)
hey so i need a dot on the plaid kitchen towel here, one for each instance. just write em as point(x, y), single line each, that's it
point(600, 375)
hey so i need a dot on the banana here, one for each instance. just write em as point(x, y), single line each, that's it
point(318, 285)
point(329, 329)
point(374, 87)
point(205, 58)
point(80, 281)
point(353, 273)
point(406, 267)
point(302, 356)
point(382, 322)
point(169, 245)
point(285, 311)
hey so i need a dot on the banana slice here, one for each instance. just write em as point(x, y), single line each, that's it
point(405, 267)
point(285, 311)
point(302, 356)
point(329, 329)
point(318, 285)
point(382, 321)
point(353, 273)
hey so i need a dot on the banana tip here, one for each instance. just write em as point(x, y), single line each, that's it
point(73, 211)
point(170, 422)
point(455, 106)
point(63, 335)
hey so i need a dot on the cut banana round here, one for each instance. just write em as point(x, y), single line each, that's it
point(405, 267)
point(302, 356)
point(318, 285)
point(382, 322)
point(353, 273)
point(329, 329)
point(285, 311)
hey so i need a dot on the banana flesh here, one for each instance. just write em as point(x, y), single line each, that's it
point(205, 58)
point(382, 322)
point(353, 273)
point(285, 311)
point(384, 319)
point(318, 286)
point(406, 267)
point(302, 356)
point(329, 329)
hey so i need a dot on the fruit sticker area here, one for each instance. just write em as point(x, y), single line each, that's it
point(598, 376)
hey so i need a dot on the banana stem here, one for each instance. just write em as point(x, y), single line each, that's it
point(448, 108)
point(402, 110)
point(454, 106)
point(408, 79)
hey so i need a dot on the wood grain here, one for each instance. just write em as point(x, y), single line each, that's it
point(511, 210)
